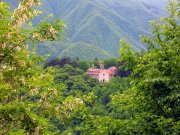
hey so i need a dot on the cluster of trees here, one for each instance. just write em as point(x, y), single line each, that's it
point(60, 98)
point(84, 65)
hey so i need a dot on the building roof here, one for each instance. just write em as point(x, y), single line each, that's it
point(96, 71)
point(93, 71)
point(110, 72)
point(113, 68)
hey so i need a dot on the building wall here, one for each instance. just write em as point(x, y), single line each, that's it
point(103, 76)
point(94, 76)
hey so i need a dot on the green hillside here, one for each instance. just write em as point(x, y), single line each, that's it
point(73, 50)
point(86, 51)
point(103, 23)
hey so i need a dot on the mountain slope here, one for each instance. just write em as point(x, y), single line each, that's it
point(103, 23)
point(72, 50)
point(86, 51)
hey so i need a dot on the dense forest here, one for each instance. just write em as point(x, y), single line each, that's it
point(58, 97)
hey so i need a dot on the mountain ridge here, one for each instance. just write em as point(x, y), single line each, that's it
point(103, 23)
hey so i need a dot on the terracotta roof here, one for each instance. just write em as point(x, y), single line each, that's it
point(113, 68)
point(109, 72)
point(96, 71)
point(93, 71)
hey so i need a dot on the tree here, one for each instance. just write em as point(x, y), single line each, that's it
point(61, 62)
point(96, 62)
point(156, 75)
point(110, 62)
point(27, 91)
point(83, 65)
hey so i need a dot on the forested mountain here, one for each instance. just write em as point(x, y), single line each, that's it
point(102, 23)
point(60, 98)
point(84, 51)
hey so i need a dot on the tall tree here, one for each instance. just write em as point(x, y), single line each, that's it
point(156, 74)
point(26, 90)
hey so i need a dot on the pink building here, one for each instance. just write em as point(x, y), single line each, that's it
point(103, 75)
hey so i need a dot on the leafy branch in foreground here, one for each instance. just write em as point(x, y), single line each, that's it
point(156, 76)
point(27, 91)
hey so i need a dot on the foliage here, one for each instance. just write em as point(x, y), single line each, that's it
point(27, 91)
point(112, 62)
point(83, 65)
point(62, 99)
point(61, 62)
point(155, 76)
